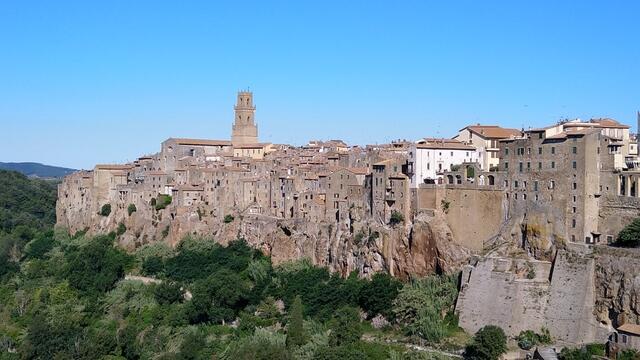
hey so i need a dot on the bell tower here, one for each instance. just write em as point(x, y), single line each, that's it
point(245, 130)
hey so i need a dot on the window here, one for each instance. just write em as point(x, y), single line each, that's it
point(553, 149)
point(515, 184)
point(573, 223)
point(552, 184)
point(535, 186)
point(575, 150)
point(524, 196)
point(539, 151)
point(575, 186)
point(528, 151)
point(574, 164)
point(539, 165)
point(520, 167)
point(506, 151)
point(528, 166)
point(574, 209)
point(553, 164)
point(506, 166)
point(452, 153)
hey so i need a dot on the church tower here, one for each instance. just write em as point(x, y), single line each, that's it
point(245, 131)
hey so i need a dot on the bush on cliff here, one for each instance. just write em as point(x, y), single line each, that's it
point(396, 218)
point(105, 210)
point(228, 219)
point(131, 209)
point(163, 201)
point(630, 235)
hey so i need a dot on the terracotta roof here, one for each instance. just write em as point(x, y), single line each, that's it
point(201, 142)
point(610, 123)
point(493, 131)
point(630, 328)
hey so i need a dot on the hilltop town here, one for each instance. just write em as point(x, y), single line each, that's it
point(526, 215)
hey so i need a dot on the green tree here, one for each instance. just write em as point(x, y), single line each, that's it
point(489, 343)
point(218, 298)
point(345, 327)
point(630, 235)
point(168, 292)
point(228, 219)
point(96, 266)
point(131, 209)
point(295, 330)
point(377, 295)
point(152, 265)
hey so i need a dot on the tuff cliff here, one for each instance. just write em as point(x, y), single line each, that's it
point(416, 247)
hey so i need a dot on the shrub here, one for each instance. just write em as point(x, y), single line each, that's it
point(105, 210)
point(131, 209)
point(163, 201)
point(630, 235)
point(444, 204)
point(489, 343)
point(396, 218)
point(629, 354)
point(528, 339)
point(228, 219)
point(121, 229)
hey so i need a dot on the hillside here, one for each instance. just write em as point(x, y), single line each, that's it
point(32, 169)
point(25, 201)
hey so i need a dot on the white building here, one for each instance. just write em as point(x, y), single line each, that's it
point(430, 157)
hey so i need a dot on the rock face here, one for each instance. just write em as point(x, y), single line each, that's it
point(617, 286)
point(419, 247)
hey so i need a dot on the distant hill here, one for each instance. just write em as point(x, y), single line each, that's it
point(37, 170)
point(27, 202)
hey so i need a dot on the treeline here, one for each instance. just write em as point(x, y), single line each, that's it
point(69, 299)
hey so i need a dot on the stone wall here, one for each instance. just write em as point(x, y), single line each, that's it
point(561, 298)
point(473, 213)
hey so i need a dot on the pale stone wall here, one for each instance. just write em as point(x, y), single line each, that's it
point(498, 293)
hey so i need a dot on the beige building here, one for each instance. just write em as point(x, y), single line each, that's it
point(486, 140)
point(253, 151)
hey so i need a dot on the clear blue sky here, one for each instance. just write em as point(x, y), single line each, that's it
point(88, 82)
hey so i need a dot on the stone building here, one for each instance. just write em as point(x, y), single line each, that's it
point(563, 175)
point(245, 130)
